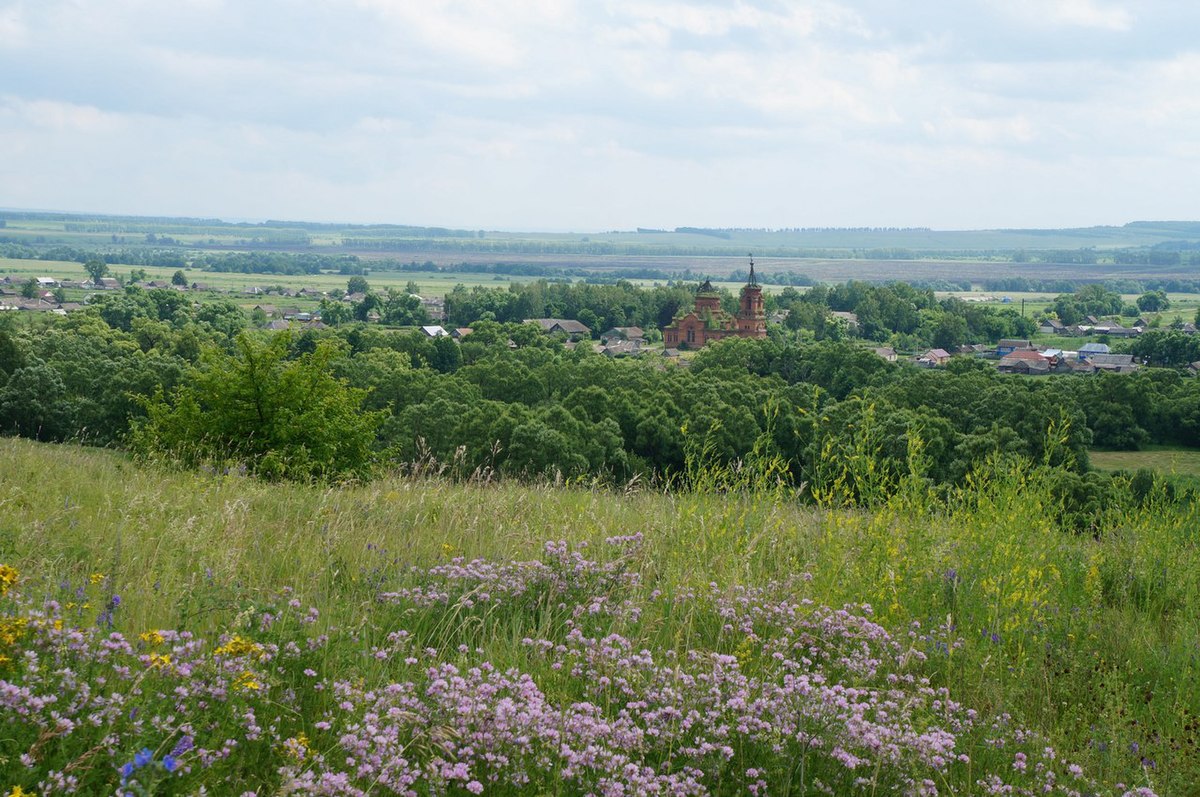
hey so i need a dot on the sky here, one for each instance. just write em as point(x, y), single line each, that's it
point(590, 115)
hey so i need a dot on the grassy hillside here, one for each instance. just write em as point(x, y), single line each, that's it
point(667, 641)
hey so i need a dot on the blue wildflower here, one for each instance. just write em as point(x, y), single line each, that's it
point(169, 763)
point(143, 757)
point(184, 744)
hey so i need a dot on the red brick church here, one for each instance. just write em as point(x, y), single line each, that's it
point(708, 322)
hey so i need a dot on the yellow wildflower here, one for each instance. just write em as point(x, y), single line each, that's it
point(239, 646)
point(247, 682)
point(96, 578)
point(8, 577)
point(297, 747)
point(160, 661)
point(17, 791)
point(153, 638)
point(12, 629)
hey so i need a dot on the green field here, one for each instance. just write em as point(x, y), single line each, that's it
point(1178, 462)
point(824, 255)
point(431, 283)
point(77, 229)
point(1087, 641)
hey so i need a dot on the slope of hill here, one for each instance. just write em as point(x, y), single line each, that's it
point(508, 638)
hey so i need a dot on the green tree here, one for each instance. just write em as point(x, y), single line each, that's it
point(335, 313)
point(281, 418)
point(96, 269)
point(34, 403)
point(179, 278)
point(1153, 302)
point(357, 284)
point(30, 289)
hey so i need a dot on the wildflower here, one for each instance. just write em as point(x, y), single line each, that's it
point(160, 661)
point(239, 646)
point(17, 791)
point(143, 757)
point(8, 577)
point(12, 629)
point(297, 747)
point(152, 638)
point(169, 763)
point(247, 682)
point(184, 744)
point(96, 578)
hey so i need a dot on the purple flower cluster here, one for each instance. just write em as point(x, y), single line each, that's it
point(771, 693)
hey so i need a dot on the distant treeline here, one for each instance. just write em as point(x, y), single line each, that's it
point(1030, 285)
point(166, 258)
point(278, 263)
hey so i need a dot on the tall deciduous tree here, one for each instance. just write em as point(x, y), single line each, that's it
point(97, 269)
point(280, 417)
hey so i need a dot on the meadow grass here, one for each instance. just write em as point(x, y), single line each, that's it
point(1163, 459)
point(1088, 641)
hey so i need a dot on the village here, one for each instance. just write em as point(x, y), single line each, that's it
point(690, 330)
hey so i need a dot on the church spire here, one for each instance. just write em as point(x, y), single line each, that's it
point(752, 280)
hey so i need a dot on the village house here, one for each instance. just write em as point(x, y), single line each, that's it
point(934, 358)
point(569, 327)
point(887, 353)
point(1024, 361)
point(622, 333)
point(849, 319)
point(707, 322)
point(1052, 326)
point(435, 306)
point(434, 331)
point(1008, 346)
point(1117, 363)
point(623, 348)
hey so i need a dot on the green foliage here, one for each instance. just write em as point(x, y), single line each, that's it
point(279, 417)
point(1166, 347)
point(33, 403)
point(1153, 302)
point(96, 269)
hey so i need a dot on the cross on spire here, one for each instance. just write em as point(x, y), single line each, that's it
point(752, 280)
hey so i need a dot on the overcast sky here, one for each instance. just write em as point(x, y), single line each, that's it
point(605, 114)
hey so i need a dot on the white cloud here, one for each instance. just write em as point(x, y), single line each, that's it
point(565, 113)
point(1081, 13)
point(14, 33)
